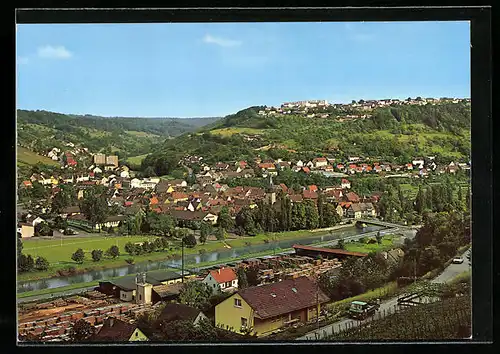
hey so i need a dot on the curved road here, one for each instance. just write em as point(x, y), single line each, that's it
point(448, 274)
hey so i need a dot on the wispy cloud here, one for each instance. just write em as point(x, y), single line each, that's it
point(356, 34)
point(22, 60)
point(50, 52)
point(223, 42)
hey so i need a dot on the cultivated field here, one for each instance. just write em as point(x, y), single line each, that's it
point(236, 130)
point(28, 157)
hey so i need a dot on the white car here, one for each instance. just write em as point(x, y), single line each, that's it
point(458, 260)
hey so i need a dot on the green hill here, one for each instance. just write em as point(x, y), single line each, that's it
point(40, 131)
point(396, 134)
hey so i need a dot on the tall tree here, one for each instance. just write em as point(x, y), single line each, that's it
point(420, 202)
point(224, 220)
point(81, 331)
point(195, 294)
point(78, 256)
point(312, 217)
point(242, 278)
point(95, 206)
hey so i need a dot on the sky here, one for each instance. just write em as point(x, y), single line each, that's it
point(216, 69)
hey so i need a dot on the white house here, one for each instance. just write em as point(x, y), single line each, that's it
point(222, 279)
point(300, 163)
point(124, 174)
point(135, 183)
point(345, 184)
point(97, 170)
point(419, 163)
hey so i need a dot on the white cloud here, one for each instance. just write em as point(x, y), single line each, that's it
point(51, 52)
point(223, 42)
point(22, 60)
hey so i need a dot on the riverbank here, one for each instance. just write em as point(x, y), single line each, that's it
point(95, 283)
point(88, 265)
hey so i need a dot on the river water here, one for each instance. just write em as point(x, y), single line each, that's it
point(190, 260)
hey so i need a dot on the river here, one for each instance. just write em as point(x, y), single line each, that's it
point(190, 260)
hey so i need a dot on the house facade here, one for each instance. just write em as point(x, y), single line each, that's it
point(222, 279)
point(262, 310)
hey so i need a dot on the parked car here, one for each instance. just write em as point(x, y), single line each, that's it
point(458, 260)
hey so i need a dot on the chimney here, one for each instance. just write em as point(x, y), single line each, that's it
point(111, 321)
point(218, 270)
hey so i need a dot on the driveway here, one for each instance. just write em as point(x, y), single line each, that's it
point(448, 274)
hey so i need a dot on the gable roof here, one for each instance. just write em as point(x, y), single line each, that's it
point(280, 298)
point(114, 329)
point(178, 312)
point(223, 275)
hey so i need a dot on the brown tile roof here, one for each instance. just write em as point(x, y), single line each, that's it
point(352, 197)
point(114, 330)
point(178, 312)
point(309, 195)
point(280, 298)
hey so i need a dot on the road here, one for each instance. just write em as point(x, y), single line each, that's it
point(54, 295)
point(448, 274)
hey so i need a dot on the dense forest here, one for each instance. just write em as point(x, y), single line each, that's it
point(394, 134)
point(40, 131)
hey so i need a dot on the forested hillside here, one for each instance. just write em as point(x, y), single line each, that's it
point(397, 134)
point(40, 131)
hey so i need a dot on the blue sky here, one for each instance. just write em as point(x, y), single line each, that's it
point(196, 70)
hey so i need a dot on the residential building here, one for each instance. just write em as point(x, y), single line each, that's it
point(222, 279)
point(115, 330)
point(262, 310)
point(180, 312)
point(26, 230)
point(100, 159)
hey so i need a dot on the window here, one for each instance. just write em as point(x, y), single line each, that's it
point(237, 302)
point(244, 322)
point(228, 284)
point(140, 297)
point(136, 334)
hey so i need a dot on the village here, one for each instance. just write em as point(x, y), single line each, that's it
point(203, 200)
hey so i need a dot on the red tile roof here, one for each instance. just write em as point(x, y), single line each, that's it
point(179, 195)
point(284, 187)
point(283, 297)
point(306, 169)
point(267, 166)
point(223, 275)
point(352, 197)
point(312, 188)
point(309, 195)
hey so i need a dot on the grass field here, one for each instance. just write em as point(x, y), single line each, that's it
point(236, 130)
point(59, 256)
point(28, 157)
point(387, 243)
point(136, 160)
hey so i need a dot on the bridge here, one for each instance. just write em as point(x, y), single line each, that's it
point(387, 224)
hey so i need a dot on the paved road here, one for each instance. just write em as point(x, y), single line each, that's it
point(448, 274)
point(453, 270)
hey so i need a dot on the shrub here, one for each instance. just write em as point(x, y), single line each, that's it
point(78, 256)
point(266, 240)
point(362, 240)
point(96, 255)
point(202, 251)
point(248, 244)
point(129, 260)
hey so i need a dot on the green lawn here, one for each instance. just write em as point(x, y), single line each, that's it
point(136, 160)
point(59, 256)
point(387, 243)
point(28, 157)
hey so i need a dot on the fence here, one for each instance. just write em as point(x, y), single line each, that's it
point(449, 319)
